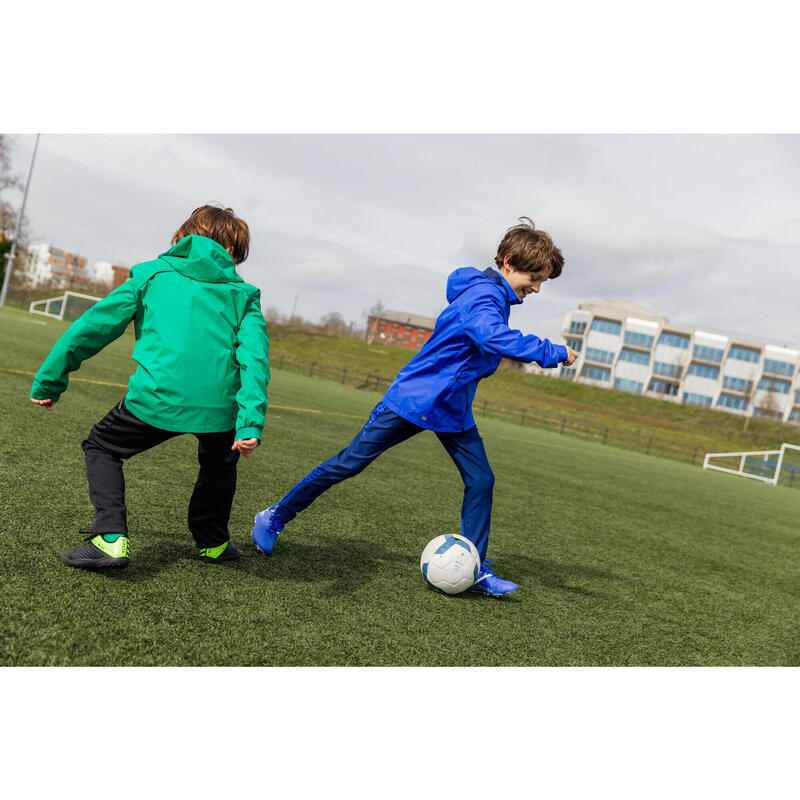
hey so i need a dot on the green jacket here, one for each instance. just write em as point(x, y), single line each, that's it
point(201, 343)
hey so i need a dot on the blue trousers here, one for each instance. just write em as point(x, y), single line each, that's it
point(383, 430)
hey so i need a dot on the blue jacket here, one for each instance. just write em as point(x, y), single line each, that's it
point(436, 388)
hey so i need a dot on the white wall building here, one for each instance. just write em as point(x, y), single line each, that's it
point(103, 272)
point(632, 349)
point(40, 268)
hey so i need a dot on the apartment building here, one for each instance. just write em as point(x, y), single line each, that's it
point(629, 348)
point(49, 266)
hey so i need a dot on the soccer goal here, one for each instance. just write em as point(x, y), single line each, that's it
point(69, 305)
point(762, 465)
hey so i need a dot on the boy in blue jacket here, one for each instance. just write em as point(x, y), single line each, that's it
point(434, 391)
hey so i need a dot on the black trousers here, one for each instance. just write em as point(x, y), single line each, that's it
point(120, 435)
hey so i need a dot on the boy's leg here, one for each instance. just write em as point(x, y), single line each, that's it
point(467, 451)
point(119, 435)
point(210, 506)
point(383, 430)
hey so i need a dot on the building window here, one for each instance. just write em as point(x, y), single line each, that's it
point(568, 372)
point(736, 384)
point(708, 353)
point(731, 401)
point(696, 399)
point(770, 384)
point(778, 367)
point(606, 326)
point(766, 413)
point(596, 373)
point(639, 339)
point(623, 385)
point(634, 356)
point(704, 371)
point(603, 356)
point(575, 344)
point(794, 415)
point(667, 370)
point(674, 340)
point(744, 354)
point(577, 327)
point(662, 387)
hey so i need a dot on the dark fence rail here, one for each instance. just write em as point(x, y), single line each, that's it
point(521, 415)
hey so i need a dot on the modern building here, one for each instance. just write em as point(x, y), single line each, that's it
point(399, 329)
point(627, 347)
point(103, 272)
point(49, 266)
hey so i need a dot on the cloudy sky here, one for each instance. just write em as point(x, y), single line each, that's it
point(704, 229)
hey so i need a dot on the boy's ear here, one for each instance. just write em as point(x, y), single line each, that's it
point(507, 262)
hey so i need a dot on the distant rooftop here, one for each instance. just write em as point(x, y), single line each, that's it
point(404, 318)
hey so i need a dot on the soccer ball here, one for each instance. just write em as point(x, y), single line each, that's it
point(450, 563)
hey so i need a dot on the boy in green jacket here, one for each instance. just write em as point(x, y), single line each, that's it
point(202, 355)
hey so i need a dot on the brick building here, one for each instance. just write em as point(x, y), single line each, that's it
point(120, 275)
point(399, 329)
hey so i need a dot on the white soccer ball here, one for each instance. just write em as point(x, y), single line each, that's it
point(450, 563)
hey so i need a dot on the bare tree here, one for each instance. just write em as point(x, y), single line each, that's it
point(334, 322)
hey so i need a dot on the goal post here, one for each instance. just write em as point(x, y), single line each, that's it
point(761, 465)
point(69, 305)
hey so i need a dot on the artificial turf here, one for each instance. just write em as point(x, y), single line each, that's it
point(622, 558)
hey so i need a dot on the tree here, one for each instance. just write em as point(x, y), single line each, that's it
point(334, 322)
point(8, 212)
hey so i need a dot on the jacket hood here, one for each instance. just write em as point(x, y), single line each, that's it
point(467, 277)
point(202, 259)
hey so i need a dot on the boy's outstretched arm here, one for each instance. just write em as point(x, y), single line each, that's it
point(252, 354)
point(483, 322)
point(104, 322)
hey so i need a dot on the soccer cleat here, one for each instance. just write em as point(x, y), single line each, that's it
point(266, 529)
point(488, 583)
point(216, 555)
point(100, 550)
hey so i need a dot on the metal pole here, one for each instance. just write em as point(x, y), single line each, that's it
point(13, 253)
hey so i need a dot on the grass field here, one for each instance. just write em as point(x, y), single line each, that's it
point(623, 559)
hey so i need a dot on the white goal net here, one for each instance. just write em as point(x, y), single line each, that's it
point(69, 305)
point(771, 466)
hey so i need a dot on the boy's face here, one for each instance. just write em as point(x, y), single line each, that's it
point(523, 283)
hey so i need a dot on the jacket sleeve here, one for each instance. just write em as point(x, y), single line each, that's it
point(483, 323)
point(252, 354)
point(104, 322)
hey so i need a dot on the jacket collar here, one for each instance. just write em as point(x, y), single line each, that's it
point(500, 280)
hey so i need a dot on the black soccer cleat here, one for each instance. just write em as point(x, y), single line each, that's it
point(99, 552)
point(216, 555)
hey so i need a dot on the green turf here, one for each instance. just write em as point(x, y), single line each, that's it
point(622, 558)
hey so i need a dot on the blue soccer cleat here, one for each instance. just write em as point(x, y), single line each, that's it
point(488, 583)
point(266, 529)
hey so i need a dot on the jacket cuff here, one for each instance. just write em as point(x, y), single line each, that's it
point(38, 392)
point(248, 433)
point(563, 355)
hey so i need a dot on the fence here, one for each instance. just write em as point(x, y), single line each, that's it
point(520, 415)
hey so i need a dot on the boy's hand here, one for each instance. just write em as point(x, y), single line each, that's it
point(245, 446)
point(572, 356)
point(48, 404)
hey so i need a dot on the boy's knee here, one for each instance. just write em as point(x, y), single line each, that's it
point(482, 483)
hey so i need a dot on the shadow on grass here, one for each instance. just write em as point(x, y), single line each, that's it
point(340, 565)
point(554, 575)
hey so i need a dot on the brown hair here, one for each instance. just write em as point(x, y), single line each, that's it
point(221, 225)
point(529, 250)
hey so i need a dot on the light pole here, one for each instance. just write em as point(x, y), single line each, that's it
point(13, 252)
